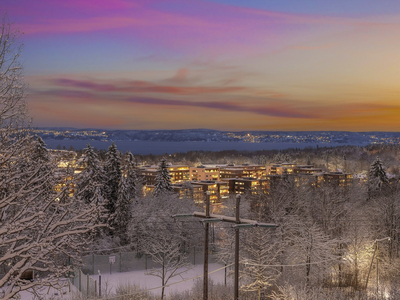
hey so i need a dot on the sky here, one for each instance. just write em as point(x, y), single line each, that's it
point(217, 64)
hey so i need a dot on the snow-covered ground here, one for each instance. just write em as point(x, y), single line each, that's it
point(50, 294)
point(110, 282)
point(216, 273)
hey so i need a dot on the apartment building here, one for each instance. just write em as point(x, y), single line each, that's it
point(338, 179)
point(279, 168)
point(202, 173)
point(178, 173)
point(219, 190)
point(242, 171)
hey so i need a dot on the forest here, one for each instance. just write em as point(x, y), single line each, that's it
point(331, 241)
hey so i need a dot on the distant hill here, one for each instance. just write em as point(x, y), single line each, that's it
point(208, 135)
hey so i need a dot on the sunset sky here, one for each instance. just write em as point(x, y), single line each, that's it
point(218, 64)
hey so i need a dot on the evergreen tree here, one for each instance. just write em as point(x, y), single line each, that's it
point(163, 179)
point(123, 211)
point(39, 163)
point(377, 178)
point(126, 193)
point(40, 152)
point(92, 178)
point(112, 170)
point(131, 175)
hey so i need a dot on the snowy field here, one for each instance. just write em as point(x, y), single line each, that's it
point(216, 273)
point(153, 283)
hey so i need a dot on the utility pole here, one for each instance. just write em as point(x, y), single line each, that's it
point(239, 223)
point(236, 285)
point(377, 271)
point(206, 227)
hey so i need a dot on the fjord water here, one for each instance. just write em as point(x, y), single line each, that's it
point(156, 148)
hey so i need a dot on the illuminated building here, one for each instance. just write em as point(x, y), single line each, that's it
point(338, 179)
point(201, 173)
point(178, 173)
point(306, 170)
point(219, 190)
point(278, 168)
point(242, 171)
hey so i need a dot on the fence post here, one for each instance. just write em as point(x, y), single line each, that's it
point(93, 263)
point(79, 278)
point(87, 285)
point(99, 283)
point(120, 262)
point(95, 288)
point(225, 274)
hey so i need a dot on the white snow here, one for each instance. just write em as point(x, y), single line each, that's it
point(150, 282)
point(176, 284)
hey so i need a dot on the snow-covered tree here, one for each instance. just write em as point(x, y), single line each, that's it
point(163, 179)
point(112, 168)
point(311, 247)
point(91, 180)
point(41, 159)
point(164, 247)
point(131, 175)
point(259, 250)
point(123, 210)
point(12, 86)
point(39, 232)
point(41, 227)
point(156, 234)
point(281, 157)
point(126, 195)
point(377, 178)
point(188, 190)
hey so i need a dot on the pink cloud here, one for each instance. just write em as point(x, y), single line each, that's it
point(200, 26)
point(140, 87)
point(148, 20)
point(276, 110)
point(101, 5)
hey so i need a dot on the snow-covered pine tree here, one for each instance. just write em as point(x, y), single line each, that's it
point(130, 173)
point(92, 179)
point(112, 168)
point(163, 179)
point(377, 178)
point(41, 161)
point(126, 194)
point(123, 211)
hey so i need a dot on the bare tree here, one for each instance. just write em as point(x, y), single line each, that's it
point(157, 234)
point(41, 226)
point(259, 250)
point(12, 86)
point(165, 250)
